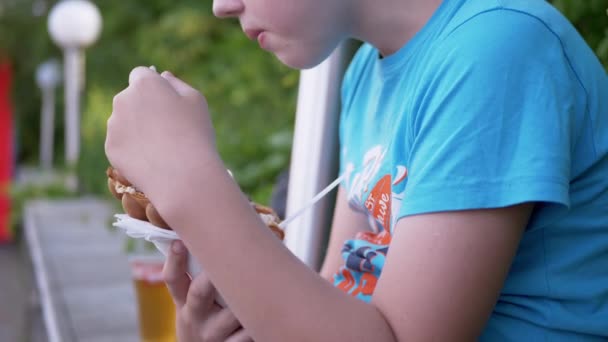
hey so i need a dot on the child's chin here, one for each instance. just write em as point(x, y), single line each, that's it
point(299, 61)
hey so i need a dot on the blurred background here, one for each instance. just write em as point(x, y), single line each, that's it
point(251, 95)
point(252, 98)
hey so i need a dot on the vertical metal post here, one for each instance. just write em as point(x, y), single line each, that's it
point(314, 155)
point(73, 85)
point(47, 128)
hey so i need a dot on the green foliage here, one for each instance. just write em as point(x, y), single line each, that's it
point(24, 42)
point(20, 194)
point(250, 94)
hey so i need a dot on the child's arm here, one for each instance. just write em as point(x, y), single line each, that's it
point(274, 295)
point(199, 317)
point(441, 280)
point(442, 275)
point(346, 224)
point(445, 271)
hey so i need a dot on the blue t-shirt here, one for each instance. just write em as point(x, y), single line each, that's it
point(492, 103)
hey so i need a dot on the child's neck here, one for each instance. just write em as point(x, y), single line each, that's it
point(390, 24)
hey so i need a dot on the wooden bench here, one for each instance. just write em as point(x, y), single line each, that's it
point(81, 271)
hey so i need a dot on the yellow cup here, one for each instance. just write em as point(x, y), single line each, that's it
point(156, 311)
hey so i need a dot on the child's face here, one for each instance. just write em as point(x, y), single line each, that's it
point(301, 33)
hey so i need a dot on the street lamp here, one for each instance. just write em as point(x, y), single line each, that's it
point(73, 25)
point(47, 78)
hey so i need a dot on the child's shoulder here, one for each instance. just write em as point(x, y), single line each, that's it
point(510, 24)
point(526, 33)
point(505, 10)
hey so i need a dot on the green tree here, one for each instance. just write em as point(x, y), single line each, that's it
point(250, 94)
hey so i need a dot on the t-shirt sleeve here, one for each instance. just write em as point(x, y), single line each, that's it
point(494, 126)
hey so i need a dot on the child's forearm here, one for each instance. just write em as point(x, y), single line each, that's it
point(274, 295)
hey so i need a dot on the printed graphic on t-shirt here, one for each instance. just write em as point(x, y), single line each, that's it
point(375, 188)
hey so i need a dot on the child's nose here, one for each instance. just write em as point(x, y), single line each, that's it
point(227, 8)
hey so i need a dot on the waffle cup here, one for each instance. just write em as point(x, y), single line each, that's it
point(138, 206)
point(271, 219)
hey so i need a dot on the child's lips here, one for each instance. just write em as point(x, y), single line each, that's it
point(258, 35)
point(253, 33)
point(262, 40)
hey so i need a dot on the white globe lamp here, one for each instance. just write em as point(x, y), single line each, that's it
point(48, 74)
point(73, 25)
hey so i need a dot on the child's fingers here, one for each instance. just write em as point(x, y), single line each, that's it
point(174, 273)
point(201, 296)
point(181, 87)
point(140, 73)
point(219, 326)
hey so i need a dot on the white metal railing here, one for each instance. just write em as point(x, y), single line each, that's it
point(314, 158)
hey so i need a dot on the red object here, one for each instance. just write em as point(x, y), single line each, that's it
point(6, 150)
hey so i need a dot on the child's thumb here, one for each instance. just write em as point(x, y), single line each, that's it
point(180, 86)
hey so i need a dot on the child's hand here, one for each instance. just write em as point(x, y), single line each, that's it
point(199, 318)
point(159, 126)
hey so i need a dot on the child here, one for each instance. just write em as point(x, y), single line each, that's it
point(474, 137)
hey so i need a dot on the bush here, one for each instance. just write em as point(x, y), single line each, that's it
point(251, 95)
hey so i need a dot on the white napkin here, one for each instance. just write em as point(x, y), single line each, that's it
point(138, 229)
point(161, 238)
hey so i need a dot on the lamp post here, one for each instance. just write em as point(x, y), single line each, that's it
point(73, 25)
point(47, 78)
